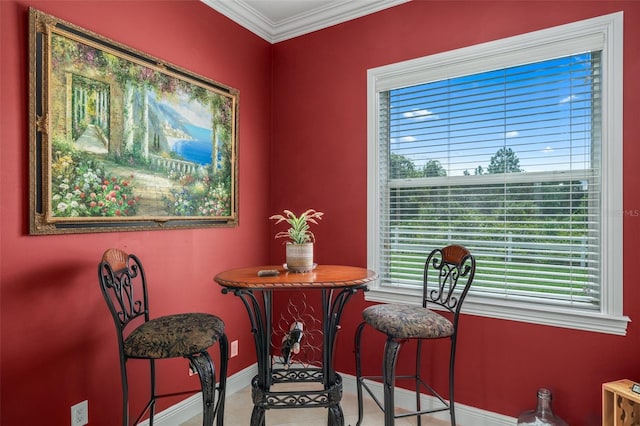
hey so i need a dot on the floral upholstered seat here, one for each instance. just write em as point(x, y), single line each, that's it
point(406, 322)
point(174, 336)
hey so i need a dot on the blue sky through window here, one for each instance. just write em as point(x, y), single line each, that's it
point(542, 111)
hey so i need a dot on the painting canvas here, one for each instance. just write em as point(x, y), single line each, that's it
point(120, 140)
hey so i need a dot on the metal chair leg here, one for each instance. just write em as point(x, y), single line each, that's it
point(359, 372)
point(391, 350)
point(125, 392)
point(152, 408)
point(206, 372)
point(223, 342)
point(452, 361)
point(417, 378)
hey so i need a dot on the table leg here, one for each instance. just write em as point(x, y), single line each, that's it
point(257, 416)
point(260, 318)
point(331, 313)
point(336, 417)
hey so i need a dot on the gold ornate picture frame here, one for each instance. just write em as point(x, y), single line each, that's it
point(123, 141)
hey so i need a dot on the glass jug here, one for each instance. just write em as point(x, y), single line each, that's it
point(543, 414)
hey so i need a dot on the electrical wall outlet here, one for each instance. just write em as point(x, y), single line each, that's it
point(80, 413)
point(234, 349)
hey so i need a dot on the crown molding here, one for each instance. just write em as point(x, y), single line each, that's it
point(332, 13)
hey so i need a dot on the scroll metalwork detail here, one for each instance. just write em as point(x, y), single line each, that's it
point(299, 315)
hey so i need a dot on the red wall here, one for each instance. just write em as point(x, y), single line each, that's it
point(303, 107)
point(57, 336)
point(319, 134)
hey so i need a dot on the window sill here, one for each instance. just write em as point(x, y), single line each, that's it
point(523, 312)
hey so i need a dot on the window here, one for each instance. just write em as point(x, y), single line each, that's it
point(512, 148)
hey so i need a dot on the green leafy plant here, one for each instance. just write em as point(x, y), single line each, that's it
point(299, 232)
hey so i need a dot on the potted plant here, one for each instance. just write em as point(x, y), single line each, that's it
point(300, 245)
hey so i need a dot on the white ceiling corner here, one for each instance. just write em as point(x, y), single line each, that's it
point(279, 20)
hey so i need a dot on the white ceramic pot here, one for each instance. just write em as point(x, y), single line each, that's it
point(299, 257)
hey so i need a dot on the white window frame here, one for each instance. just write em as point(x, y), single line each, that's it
point(605, 33)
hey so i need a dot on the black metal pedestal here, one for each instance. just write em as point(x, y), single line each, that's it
point(258, 303)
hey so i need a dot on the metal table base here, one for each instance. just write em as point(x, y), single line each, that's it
point(336, 285)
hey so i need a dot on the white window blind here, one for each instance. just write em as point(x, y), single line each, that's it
point(506, 163)
point(511, 149)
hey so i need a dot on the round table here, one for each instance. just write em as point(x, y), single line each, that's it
point(336, 283)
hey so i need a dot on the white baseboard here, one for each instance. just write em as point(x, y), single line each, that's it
point(192, 406)
point(466, 415)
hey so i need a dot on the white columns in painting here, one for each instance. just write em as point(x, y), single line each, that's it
point(145, 124)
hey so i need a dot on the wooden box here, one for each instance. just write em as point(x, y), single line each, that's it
point(620, 405)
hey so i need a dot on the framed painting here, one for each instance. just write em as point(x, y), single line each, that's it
point(121, 141)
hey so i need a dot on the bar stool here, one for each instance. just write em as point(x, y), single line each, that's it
point(188, 335)
point(452, 268)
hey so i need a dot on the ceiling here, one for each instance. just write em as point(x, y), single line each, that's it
point(278, 20)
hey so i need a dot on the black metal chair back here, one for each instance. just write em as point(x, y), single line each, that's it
point(124, 287)
point(448, 274)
